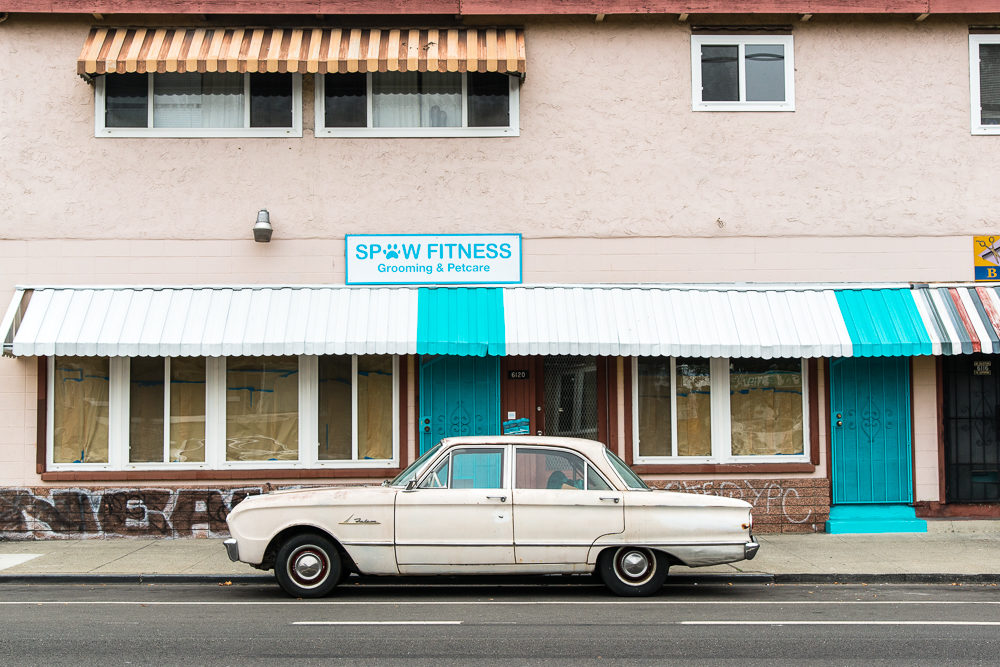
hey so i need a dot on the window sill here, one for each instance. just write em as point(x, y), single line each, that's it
point(215, 475)
point(417, 132)
point(720, 468)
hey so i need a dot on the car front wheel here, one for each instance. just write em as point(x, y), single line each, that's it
point(307, 566)
point(633, 571)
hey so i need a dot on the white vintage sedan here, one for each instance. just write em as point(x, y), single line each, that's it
point(492, 505)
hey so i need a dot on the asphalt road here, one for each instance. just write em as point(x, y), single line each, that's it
point(249, 624)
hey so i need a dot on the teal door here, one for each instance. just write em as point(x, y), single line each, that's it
point(458, 396)
point(872, 483)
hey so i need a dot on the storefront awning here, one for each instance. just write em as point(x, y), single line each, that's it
point(303, 50)
point(644, 320)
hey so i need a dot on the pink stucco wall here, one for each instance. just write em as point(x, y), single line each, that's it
point(874, 177)
point(879, 144)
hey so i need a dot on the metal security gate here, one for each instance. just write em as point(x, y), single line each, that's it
point(870, 407)
point(972, 428)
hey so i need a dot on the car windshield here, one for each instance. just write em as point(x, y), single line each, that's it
point(412, 469)
point(631, 480)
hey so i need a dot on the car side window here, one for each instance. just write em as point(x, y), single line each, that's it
point(594, 481)
point(480, 468)
point(438, 477)
point(548, 469)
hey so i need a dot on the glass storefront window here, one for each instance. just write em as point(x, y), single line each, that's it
point(80, 406)
point(766, 406)
point(373, 385)
point(694, 407)
point(718, 409)
point(187, 410)
point(262, 408)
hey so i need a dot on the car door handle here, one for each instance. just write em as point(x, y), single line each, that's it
point(502, 499)
point(614, 498)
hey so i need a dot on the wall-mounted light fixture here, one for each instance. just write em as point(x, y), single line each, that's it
point(262, 229)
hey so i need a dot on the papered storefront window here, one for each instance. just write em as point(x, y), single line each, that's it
point(262, 409)
point(355, 395)
point(232, 412)
point(718, 409)
point(181, 437)
point(766, 406)
point(80, 410)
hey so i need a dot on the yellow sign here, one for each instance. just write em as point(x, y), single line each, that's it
point(986, 257)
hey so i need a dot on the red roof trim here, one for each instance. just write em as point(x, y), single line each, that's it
point(502, 7)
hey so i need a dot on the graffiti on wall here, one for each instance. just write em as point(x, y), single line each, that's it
point(43, 513)
point(768, 497)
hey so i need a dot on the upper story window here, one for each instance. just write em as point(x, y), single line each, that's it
point(984, 69)
point(193, 104)
point(697, 410)
point(417, 104)
point(742, 73)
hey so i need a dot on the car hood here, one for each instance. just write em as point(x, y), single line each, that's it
point(323, 495)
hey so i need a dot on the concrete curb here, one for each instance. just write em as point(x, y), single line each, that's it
point(538, 581)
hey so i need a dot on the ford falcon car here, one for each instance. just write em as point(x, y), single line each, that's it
point(492, 505)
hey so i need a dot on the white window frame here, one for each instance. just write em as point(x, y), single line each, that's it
point(741, 41)
point(721, 426)
point(975, 106)
point(513, 130)
point(100, 130)
point(215, 422)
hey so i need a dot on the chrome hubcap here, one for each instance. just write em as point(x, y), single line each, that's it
point(308, 567)
point(635, 564)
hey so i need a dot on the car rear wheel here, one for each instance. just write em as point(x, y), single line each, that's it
point(633, 571)
point(307, 566)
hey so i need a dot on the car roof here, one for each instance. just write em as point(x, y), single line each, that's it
point(592, 448)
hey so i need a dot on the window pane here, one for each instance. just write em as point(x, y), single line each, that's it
point(571, 396)
point(720, 74)
point(694, 417)
point(262, 409)
point(477, 469)
point(595, 482)
point(125, 100)
point(417, 99)
point(270, 100)
point(335, 408)
point(375, 407)
point(548, 469)
point(766, 406)
point(196, 100)
point(437, 478)
point(145, 427)
point(654, 406)
point(80, 410)
point(765, 72)
point(489, 100)
point(989, 83)
point(187, 409)
point(346, 100)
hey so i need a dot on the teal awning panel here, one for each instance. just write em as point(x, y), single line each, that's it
point(465, 321)
point(884, 323)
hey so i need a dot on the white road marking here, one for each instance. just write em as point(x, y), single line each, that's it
point(492, 603)
point(10, 560)
point(838, 622)
point(377, 623)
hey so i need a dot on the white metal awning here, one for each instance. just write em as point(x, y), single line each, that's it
point(700, 321)
point(215, 321)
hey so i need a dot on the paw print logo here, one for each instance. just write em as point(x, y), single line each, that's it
point(392, 252)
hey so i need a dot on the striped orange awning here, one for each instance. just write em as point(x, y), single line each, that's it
point(304, 50)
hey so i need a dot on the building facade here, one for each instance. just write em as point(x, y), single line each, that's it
point(751, 251)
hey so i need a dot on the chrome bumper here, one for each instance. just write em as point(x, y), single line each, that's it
point(749, 550)
point(233, 550)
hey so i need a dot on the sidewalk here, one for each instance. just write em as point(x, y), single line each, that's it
point(951, 551)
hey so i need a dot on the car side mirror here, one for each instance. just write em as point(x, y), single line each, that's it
point(411, 485)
